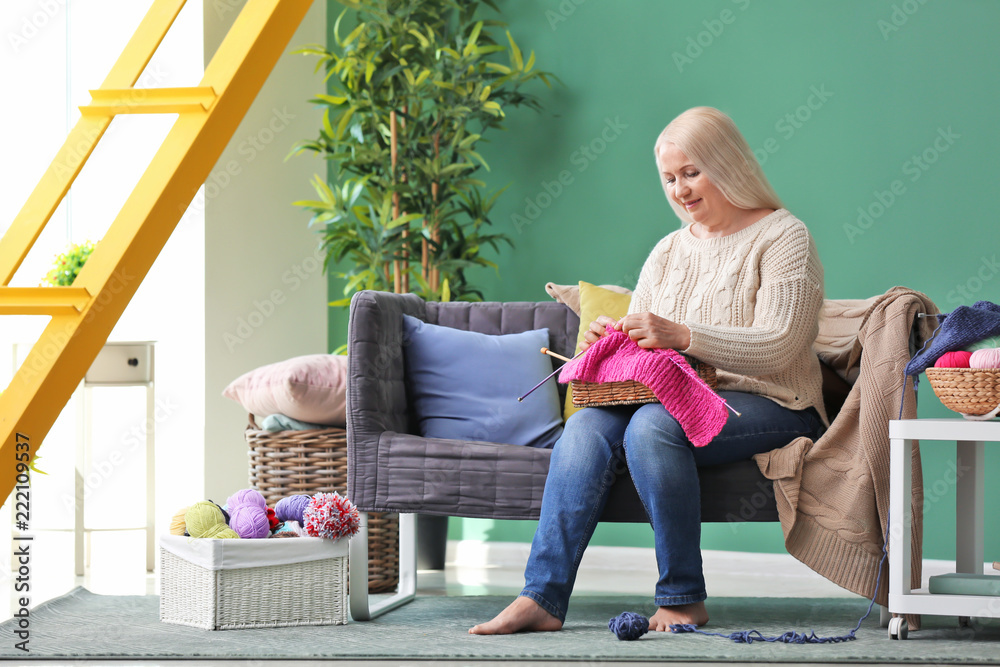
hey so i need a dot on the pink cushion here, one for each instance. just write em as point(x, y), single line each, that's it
point(312, 388)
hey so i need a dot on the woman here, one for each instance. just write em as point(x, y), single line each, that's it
point(739, 286)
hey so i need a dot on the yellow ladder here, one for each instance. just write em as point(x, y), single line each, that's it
point(84, 315)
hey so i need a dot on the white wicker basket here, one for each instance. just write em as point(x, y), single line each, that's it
point(238, 584)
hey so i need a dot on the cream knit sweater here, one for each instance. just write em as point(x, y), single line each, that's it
point(751, 300)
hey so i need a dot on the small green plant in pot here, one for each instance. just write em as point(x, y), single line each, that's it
point(413, 88)
point(68, 264)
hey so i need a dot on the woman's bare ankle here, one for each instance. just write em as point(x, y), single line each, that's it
point(521, 615)
point(682, 614)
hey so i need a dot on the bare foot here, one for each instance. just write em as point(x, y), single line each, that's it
point(682, 614)
point(521, 615)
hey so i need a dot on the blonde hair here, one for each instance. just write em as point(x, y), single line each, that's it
point(716, 147)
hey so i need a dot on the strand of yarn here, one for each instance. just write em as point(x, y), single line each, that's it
point(292, 507)
point(985, 358)
point(625, 625)
point(331, 516)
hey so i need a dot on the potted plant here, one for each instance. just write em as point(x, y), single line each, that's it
point(413, 88)
point(68, 264)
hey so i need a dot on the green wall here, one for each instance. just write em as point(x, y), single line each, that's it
point(884, 106)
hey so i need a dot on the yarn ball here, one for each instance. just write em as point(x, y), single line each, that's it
point(272, 520)
point(629, 625)
point(292, 507)
point(957, 359)
point(330, 515)
point(221, 531)
point(222, 508)
point(987, 358)
point(201, 517)
point(284, 534)
point(246, 497)
point(177, 525)
point(250, 522)
point(291, 528)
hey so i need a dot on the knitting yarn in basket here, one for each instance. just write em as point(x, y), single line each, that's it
point(250, 522)
point(955, 359)
point(292, 507)
point(246, 497)
point(986, 358)
point(973, 392)
point(286, 463)
point(630, 392)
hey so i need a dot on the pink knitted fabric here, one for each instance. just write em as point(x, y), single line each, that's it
point(616, 357)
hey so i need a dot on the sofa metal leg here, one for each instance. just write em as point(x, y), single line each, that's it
point(361, 607)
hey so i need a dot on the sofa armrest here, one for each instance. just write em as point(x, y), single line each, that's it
point(376, 394)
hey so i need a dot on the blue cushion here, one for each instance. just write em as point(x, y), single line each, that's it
point(464, 385)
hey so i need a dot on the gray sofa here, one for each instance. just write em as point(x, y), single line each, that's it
point(390, 469)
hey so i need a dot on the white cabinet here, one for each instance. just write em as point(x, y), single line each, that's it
point(118, 364)
point(971, 438)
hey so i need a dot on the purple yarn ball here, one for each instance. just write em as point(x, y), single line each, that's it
point(246, 497)
point(250, 522)
point(292, 508)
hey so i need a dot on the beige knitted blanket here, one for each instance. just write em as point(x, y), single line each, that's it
point(833, 494)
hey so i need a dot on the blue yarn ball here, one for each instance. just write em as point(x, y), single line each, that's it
point(291, 508)
point(629, 625)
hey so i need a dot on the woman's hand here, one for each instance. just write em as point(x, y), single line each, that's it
point(652, 331)
point(597, 331)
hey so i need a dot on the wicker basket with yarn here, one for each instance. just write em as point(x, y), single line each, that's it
point(284, 463)
point(630, 392)
point(972, 392)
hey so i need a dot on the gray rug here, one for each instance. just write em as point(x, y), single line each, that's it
point(84, 625)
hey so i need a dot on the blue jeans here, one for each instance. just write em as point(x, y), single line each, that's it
point(593, 451)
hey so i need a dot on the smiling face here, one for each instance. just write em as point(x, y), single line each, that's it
point(692, 190)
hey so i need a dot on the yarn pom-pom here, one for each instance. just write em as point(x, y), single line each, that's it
point(272, 520)
point(332, 516)
point(629, 625)
point(250, 522)
point(988, 358)
point(292, 507)
point(246, 497)
point(957, 359)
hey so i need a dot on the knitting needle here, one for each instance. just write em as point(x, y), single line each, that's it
point(521, 398)
point(677, 363)
point(549, 352)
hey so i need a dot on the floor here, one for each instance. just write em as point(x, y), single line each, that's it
point(472, 568)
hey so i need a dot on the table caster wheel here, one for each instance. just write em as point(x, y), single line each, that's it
point(898, 628)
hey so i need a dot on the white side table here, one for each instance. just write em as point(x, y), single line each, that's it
point(118, 364)
point(970, 438)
